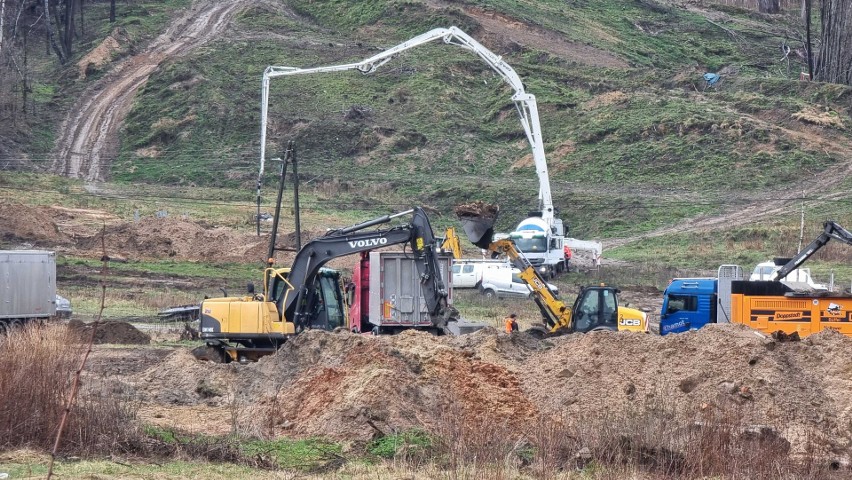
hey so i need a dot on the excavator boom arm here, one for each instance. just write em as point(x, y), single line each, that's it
point(346, 241)
point(555, 312)
point(830, 230)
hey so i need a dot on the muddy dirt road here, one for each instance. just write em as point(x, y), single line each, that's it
point(88, 138)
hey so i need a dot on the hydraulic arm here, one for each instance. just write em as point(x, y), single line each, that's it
point(556, 314)
point(525, 103)
point(830, 230)
point(295, 301)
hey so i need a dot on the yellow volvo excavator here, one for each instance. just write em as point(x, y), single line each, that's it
point(306, 296)
point(596, 307)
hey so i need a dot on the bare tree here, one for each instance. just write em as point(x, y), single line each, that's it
point(50, 34)
point(834, 61)
point(768, 6)
point(2, 16)
point(806, 13)
point(68, 34)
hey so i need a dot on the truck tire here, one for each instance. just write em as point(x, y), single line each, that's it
point(489, 293)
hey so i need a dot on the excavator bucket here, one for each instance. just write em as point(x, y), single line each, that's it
point(478, 219)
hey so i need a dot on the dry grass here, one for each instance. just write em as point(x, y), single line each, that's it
point(644, 440)
point(827, 118)
point(34, 384)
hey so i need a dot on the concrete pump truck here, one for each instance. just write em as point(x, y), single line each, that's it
point(541, 237)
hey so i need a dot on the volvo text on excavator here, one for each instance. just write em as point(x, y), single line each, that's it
point(301, 297)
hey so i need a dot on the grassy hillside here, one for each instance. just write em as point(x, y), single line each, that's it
point(634, 144)
point(437, 125)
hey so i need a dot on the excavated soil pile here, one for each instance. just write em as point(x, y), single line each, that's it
point(34, 225)
point(174, 237)
point(110, 332)
point(348, 386)
point(79, 232)
point(353, 386)
point(181, 379)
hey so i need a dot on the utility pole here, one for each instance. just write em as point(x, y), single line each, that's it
point(296, 198)
point(274, 234)
point(802, 224)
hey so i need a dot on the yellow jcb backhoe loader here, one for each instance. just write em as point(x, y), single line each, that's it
point(596, 307)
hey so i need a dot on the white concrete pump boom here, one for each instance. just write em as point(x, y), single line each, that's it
point(524, 102)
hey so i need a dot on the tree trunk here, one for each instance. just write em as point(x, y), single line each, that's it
point(769, 6)
point(68, 39)
point(111, 11)
point(17, 19)
point(48, 24)
point(834, 61)
point(808, 46)
point(2, 16)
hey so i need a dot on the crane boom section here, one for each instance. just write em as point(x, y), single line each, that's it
point(830, 230)
point(525, 103)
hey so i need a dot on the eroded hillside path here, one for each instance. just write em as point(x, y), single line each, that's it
point(88, 138)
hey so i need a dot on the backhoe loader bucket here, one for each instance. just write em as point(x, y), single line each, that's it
point(478, 219)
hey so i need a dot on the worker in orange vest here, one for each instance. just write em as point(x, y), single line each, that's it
point(511, 323)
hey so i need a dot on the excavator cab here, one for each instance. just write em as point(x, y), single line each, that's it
point(246, 328)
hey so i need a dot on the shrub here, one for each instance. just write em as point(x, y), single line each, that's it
point(40, 362)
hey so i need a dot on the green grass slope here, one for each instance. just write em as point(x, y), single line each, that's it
point(633, 142)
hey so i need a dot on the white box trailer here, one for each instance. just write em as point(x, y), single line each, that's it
point(27, 286)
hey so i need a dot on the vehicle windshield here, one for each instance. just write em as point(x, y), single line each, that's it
point(597, 308)
point(528, 245)
point(677, 303)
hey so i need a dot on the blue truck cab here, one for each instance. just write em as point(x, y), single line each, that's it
point(688, 304)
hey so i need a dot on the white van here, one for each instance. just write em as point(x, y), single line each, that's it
point(764, 270)
point(468, 273)
point(506, 282)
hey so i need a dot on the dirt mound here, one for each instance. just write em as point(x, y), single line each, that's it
point(181, 379)
point(348, 386)
point(79, 232)
point(30, 224)
point(174, 237)
point(111, 332)
point(354, 386)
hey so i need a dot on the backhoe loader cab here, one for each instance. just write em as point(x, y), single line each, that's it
point(596, 308)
